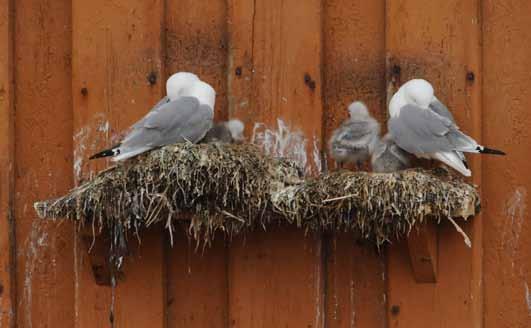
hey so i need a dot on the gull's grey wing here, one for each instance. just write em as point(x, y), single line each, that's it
point(356, 134)
point(438, 107)
point(441, 109)
point(420, 131)
point(153, 111)
point(180, 120)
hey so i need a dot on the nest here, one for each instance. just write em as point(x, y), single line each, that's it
point(236, 188)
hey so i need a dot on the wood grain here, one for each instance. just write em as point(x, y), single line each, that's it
point(197, 284)
point(196, 41)
point(354, 69)
point(43, 160)
point(276, 278)
point(8, 291)
point(440, 42)
point(506, 181)
point(116, 48)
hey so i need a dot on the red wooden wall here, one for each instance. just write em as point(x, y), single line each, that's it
point(73, 74)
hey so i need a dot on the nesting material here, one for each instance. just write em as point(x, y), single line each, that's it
point(235, 188)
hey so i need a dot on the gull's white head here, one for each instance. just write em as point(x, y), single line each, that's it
point(236, 128)
point(358, 109)
point(416, 92)
point(202, 91)
point(178, 82)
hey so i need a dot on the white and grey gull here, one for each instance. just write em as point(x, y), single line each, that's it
point(421, 125)
point(184, 115)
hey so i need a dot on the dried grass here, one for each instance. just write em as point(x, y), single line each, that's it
point(235, 189)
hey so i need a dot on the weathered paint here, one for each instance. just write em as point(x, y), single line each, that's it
point(353, 69)
point(196, 40)
point(43, 155)
point(439, 41)
point(197, 283)
point(291, 68)
point(275, 278)
point(116, 48)
point(7, 142)
point(507, 182)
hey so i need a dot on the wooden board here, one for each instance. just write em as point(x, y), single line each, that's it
point(271, 76)
point(355, 285)
point(276, 278)
point(78, 73)
point(439, 41)
point(43, 140)
point(354, 69)
point(506, 181)
point(117, 52)
point(197, 284)
point(7, 161)
point(422, 244)
point(143, 284)
point(196, 41)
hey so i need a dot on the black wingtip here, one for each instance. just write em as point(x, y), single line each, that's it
point(105, 153)
point(491, 151)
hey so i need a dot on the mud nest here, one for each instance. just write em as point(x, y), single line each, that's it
point(236, 188)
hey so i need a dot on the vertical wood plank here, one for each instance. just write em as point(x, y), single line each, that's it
point(197, 284)
point(7, 155)
point(276, 277)
point(275, 280)
point(116, 48)
point(506, 181)
point(422, 246)
point(140, 298)
point(355, 285)
point(440, 41)
point(43, 102)
point(196, 41)
point(354, 69)
point(276, 44)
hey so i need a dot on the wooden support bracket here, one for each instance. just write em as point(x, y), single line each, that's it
point(423, 251)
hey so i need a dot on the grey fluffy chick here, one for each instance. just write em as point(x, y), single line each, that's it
point(226, 132)
point(356, 138)
point(388, 157)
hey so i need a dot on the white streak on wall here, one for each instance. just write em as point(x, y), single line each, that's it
point(316, 154)
point(87, 141)
point(287, 143)
point(515, 209)
point(80, 147)
point(527, 298)
point(34, 244)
